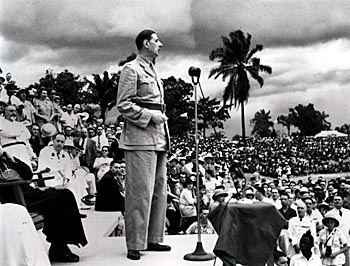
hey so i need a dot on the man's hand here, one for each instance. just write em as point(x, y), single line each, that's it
point(159, 118)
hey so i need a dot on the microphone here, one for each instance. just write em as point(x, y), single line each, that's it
point(194, 71)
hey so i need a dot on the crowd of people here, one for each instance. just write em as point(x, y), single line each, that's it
point(83, 156)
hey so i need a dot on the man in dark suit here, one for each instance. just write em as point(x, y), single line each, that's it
point(145, 140)
point(89, 149)
point(110, 191)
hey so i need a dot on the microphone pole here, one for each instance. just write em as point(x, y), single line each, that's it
point(199, 254)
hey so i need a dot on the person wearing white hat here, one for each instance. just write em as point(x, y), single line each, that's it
point(344, 219)
point(332, 241)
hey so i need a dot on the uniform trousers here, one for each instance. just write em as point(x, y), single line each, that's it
point(145, 198)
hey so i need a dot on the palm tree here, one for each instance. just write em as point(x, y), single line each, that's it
point(236, 61)
point(286, 121)
point(262, 123)
point(105, 89)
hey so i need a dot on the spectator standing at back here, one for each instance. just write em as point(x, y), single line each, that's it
point(344, 219)
point(44, 108)
point(88, 149)
point(100, 138)
point(69, 118)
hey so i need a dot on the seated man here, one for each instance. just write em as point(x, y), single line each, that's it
point(205, 225)
point(110, 192)
point(62, 224)
point(59, 164)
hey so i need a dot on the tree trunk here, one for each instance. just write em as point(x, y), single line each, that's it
point(243, 122)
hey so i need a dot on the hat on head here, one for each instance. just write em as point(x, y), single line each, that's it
point(219, 192)
point(48, 130)
point(22, 90)
point(331, 216)
point(173, 158)
point(208, 156)
point(303, 190)
point(2, 79)
point(69, 143)
point(300, 204)
point(324, 205)
point(249, 191)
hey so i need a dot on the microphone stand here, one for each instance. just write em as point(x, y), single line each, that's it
point(199, 254)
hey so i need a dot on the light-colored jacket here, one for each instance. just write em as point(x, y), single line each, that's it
point(140, 84)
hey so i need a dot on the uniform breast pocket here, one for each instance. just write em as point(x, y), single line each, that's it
point(147, 87)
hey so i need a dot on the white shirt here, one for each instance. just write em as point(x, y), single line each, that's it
point(100, 141)
point(61, 166)
point(187, 204)
point(336, 240)
point(344, 221)
point(300, 260)
point(297, 228)
point(70, 119)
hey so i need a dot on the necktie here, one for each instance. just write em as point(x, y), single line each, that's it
point(99, 142)
point(340, 213)
point(58, 155)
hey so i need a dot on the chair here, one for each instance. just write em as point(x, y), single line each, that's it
point(38, 219)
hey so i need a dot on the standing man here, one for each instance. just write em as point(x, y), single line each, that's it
point(145, 140)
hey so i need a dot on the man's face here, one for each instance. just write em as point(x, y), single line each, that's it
point(77, 108)
point(10, 113)
point(68, 131)
point(69, 108)
point(301, 211)
point(275, 194)
point(8, 76)
point(84, 132)
point(284, 200)
point(282, 261)
point(122, 168)
point(308, 203)
point(91, 133)
point(35, 130)
point(99, 131)
point(153, 45)
point(22, 95)
point(338, 202)
point(115, 168)
point(58, 143)
point(305, 246)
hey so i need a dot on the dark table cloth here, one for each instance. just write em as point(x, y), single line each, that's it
point(248, 233)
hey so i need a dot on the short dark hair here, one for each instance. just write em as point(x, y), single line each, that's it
point(143, 35)
point(277, 254)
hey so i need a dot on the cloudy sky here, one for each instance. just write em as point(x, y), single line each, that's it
point(306, 42)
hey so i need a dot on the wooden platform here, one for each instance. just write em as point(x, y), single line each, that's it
point(104, 251)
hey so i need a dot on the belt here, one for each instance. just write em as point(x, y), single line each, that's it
point(153, 106)
point(13, 143)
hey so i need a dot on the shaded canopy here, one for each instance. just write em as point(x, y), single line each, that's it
point(330, 133)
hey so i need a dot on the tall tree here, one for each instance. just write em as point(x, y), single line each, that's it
point(309, 120)
point(344, 129)
point(286, 121)
point(211, 113)
point(262, 124)
point(236, 61)
point(177, 97)
point(105, 90)
point(68, 85)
